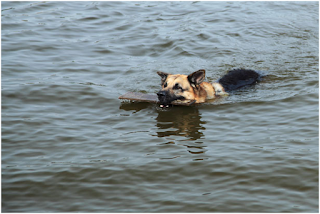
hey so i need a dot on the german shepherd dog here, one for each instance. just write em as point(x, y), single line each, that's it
point(186, 88)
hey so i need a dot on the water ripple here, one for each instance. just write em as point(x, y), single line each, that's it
point(69, 144)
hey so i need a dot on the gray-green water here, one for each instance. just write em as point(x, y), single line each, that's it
point(69, 144)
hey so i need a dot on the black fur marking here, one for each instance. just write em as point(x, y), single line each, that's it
point(165, 97)
point(177, 87)
point(238, 78)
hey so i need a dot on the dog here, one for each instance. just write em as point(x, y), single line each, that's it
point(186, 88)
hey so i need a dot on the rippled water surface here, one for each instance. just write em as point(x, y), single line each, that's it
point(70, 145)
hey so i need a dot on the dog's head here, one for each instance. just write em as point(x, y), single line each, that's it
point(179, 87)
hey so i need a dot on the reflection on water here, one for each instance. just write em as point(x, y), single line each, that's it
point(177, 120)
point(134, 106)
point(181, 121)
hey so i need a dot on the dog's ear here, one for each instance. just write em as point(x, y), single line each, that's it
point(163, 76)
point(197, 77)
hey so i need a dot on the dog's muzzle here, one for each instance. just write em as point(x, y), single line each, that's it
point(161, 93)
point(166, 98)
point(163, 97)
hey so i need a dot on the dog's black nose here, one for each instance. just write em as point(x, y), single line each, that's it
point(161, 93)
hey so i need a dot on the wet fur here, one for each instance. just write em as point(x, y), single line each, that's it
point(238, 78)
point(192, 87)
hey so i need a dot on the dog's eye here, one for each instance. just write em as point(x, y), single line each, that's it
point(165, 85)
point(177, 86)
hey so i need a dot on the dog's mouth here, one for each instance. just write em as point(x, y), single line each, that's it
point(166, 99)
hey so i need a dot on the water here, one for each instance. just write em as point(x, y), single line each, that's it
point(70, 145)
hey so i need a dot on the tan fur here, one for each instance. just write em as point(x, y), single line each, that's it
point(198, 92)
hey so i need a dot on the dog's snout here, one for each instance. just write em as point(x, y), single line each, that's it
point(161, 93)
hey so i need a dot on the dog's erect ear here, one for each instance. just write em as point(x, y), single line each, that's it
point(163, 76)
point(197, 77)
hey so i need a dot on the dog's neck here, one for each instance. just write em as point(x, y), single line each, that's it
point(199, 92)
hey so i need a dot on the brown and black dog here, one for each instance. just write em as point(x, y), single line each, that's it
point(186, 88)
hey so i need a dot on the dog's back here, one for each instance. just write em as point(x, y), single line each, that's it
point(238, 78)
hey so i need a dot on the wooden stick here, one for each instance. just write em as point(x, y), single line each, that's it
point(151, 98)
